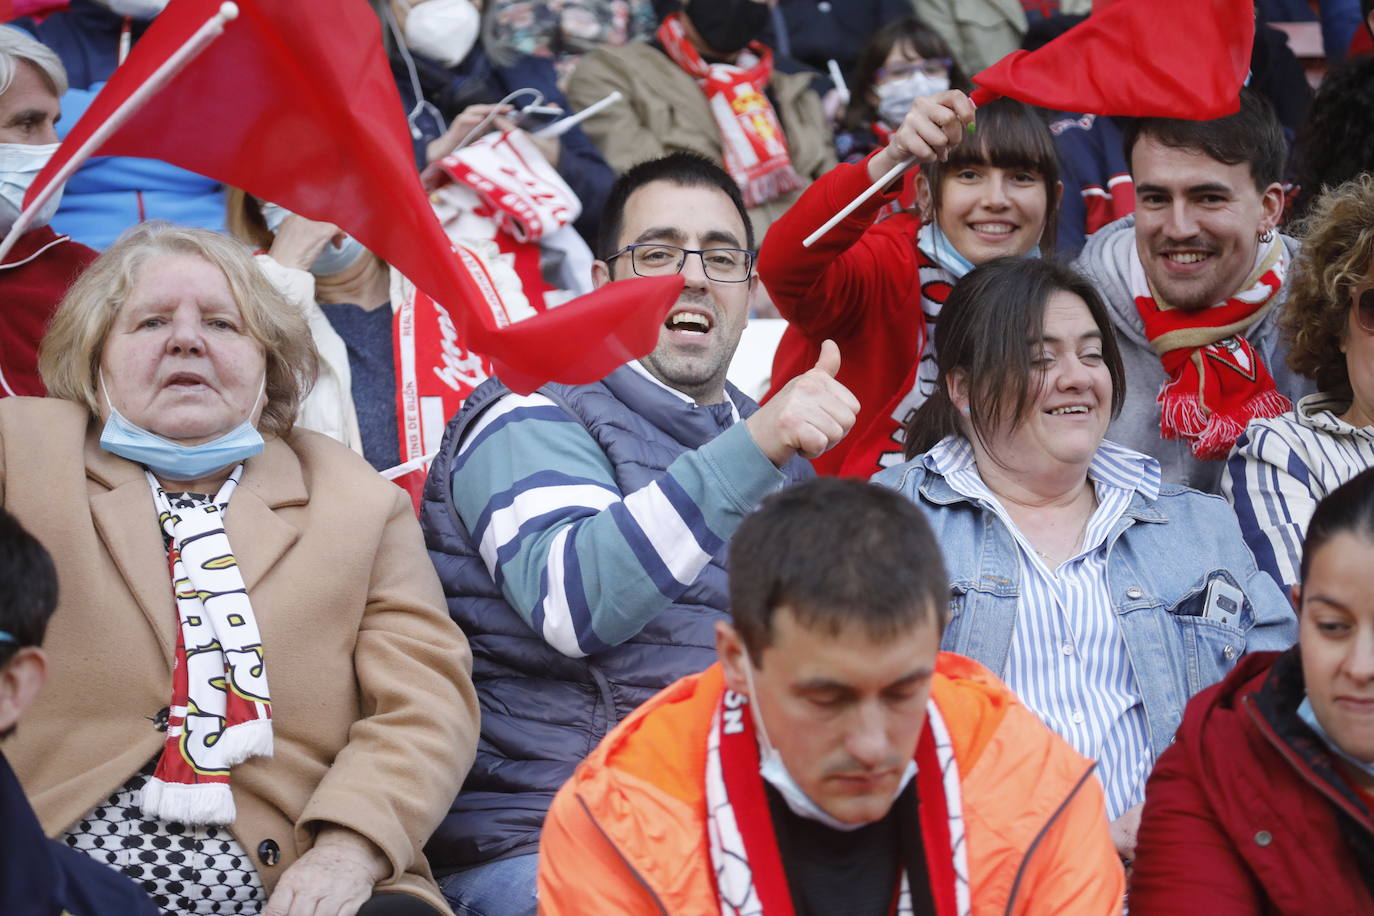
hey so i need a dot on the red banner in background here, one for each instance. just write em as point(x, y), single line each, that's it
point(295, 104)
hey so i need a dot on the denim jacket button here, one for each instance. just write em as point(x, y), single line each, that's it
point(1133, 593)
point(1229, 652)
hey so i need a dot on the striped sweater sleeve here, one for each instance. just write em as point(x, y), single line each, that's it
point(1269, 484)
point(584, 564)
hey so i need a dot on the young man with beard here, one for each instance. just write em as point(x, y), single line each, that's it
point(1195, 281)
point(580, 531)
point(706, 85)
point(833, 761)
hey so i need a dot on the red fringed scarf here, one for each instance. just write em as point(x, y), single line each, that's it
point(1217, 382)
point(750, 879)
point(750, 132)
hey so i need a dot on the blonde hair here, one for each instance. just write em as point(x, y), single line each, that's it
point(69, 356)
point(1336, 255)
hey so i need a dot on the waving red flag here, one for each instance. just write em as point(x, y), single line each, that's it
point(1141, 58)
point(14, 9)
point(295, 104)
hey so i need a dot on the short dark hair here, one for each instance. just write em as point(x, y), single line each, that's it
point(28, 587)
point(1336, 140)
point(909, 32)
point(1009, 135)
point(838, 553)
point(1348, 509)
point(687, 170)
point(1009, 295)
point(1252, 135)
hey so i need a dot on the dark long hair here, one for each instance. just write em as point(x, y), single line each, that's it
point(1009, 135)
point(904, 33)
point(993, 316)
point(1348, 509)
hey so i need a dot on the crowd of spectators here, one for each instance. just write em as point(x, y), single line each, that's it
point(1039, 580)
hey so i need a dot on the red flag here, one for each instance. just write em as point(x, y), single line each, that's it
point(1142, 58)
point(295, 104)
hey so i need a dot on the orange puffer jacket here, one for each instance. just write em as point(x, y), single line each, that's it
point(627, 834)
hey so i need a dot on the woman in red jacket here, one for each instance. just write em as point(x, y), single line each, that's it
point(876, 287)
point(1265, 801)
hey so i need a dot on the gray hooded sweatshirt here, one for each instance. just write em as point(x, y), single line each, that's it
point(1106, 260)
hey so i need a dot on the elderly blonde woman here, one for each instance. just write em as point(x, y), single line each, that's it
point(1282, 467)
point(257, 702)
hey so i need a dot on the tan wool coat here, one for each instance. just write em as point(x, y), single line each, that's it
point(664, 111)
point(373, 709)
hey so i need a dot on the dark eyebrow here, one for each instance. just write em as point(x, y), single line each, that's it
point(1208, 187)
point(28, 114)
point(1329, 602)
point(673, 236)
point(1091, 335)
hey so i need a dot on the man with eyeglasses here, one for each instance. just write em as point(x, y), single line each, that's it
point(580, 531)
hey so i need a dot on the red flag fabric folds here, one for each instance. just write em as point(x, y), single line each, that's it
point(295, 103)
point(14, 9)
point(1141, 58)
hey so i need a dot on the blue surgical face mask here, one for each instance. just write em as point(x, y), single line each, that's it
point(173, 460)
point(774, 771)
point(1309, 716)
point(333, 259)
point(20, 164)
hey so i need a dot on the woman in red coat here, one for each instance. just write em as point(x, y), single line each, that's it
point(1265, 801)
point(876, 287)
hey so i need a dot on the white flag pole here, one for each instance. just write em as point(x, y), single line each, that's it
point(212, 29)
point(853, 205)
point(559, 128)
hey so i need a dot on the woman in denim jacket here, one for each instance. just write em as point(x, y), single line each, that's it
point(1104, 598)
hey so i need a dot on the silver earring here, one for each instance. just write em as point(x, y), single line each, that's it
point(1267, 236)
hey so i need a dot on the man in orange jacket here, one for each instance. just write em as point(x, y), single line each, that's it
point(833, 760)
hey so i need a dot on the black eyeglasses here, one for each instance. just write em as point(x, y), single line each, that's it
point(723, 265)
point(1362, 301)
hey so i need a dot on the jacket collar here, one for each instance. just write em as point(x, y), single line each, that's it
point(689, 424)
point(122, 508)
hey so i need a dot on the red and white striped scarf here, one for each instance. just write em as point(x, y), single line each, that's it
point(750, 132)
point(1217, 382)
point(750, 880)
point(221, 710)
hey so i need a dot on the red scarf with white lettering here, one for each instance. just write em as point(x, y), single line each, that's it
point(750, 132)
point(1217, 382)
point(750, 880)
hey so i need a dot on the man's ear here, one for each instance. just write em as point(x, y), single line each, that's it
point(733, 658)
point(1271, 202)
point(601, 274)
point(20, 680)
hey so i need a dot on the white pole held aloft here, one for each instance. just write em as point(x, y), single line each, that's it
point(874, 188)
point(212, 29)
point(559, 128)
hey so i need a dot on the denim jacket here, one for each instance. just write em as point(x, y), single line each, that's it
point(1162, 557)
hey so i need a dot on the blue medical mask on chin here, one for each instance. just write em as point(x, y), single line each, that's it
point(172, 460)
point(20, 164)
point(1309, 716)
point(774, 772)
point(333, 259)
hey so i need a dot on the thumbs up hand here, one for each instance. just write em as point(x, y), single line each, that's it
point(809, 415)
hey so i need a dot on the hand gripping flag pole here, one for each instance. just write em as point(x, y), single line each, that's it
point(199, 41)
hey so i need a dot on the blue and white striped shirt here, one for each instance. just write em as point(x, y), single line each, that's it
point(1282, 467)
point(1068, 660)
point(584, 564)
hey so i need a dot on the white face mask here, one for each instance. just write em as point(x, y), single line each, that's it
point(137, 9)
point(443, 30)
point(20, 164)
point(774, 771)
point(896, 98)
point(333, 259)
